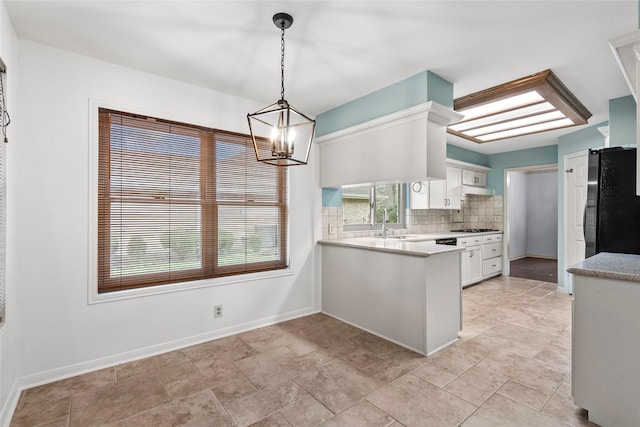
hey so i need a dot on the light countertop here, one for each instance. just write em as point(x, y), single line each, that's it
point(609, 266)
point(396, 246)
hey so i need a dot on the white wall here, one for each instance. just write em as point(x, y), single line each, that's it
point(10, 337)
point(542, 218)
point(517, 200)
point(62, 334)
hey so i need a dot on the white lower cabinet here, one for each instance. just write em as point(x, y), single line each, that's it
point(471, 260)
point(491, 255)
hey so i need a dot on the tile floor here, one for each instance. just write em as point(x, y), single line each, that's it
point(510, 368)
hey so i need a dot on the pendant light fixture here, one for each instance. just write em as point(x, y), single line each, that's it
point(281, 134)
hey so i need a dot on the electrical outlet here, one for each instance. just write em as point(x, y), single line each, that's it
point(217, 311)
point(332, 229)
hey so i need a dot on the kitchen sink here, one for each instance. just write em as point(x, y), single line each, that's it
point(402, 237)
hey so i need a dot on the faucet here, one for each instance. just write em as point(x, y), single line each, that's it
point(385, 218)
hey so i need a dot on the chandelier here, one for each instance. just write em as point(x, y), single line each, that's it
point(281, 134)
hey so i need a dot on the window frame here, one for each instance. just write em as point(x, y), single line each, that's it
point(372, 224)
point(222, 275)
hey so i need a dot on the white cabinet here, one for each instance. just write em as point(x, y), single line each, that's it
point(605, 346)
point(491, 255)
point(360, 153)
point(419, 195)
point(445, 194)
point(471, 260)
point(474, 177)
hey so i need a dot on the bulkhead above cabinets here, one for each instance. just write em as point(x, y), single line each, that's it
point(406, 146)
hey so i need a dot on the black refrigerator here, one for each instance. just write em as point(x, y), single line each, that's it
point(612, 211)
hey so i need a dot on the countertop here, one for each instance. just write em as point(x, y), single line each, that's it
point(396, 246)
point(422, 245)
point(608, 265)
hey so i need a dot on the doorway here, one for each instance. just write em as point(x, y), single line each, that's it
point(531, 222)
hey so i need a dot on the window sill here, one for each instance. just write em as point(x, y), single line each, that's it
point(96, 298)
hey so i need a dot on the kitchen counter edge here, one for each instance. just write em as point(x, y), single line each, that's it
point(608, 265)
point(419, 249)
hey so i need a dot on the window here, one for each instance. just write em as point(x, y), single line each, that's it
point(363, 206)
point(178, 202)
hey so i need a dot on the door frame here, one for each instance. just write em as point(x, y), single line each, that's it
point(568, 277)
point(550, 167)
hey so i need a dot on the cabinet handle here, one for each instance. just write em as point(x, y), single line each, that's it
point(493, 250)
point(493, 265)
point(471, 254)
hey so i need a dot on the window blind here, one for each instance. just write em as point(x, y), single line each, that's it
point(179, 202)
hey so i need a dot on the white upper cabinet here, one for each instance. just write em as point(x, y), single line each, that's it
point(419, 195)
point(445, 194)
point(474, 177)
point(406, 146)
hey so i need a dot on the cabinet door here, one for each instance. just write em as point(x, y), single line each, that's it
point(419, 195)
point(481, 179)
point(471, 266)
point(473, 177)
point(454, 180)
point(438, 194)
point(468, 177)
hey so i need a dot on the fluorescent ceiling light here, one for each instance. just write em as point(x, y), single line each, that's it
point(532, 104)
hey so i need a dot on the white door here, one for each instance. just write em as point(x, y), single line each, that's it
point(575, 194)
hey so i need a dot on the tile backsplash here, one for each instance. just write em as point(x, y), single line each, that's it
point(477, 212)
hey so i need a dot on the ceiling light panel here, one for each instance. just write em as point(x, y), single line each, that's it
point(532, 104)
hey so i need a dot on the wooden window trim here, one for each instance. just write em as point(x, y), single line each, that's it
point(209, 217)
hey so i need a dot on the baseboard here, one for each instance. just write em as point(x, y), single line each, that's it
point(10, 405)
point(532, 256)
point(23, 383)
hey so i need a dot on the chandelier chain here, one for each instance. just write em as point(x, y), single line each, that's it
point(282, 60)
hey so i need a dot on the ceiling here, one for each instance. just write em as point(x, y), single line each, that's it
point(337, 51)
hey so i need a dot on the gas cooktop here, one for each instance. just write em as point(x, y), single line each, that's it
point(473, 230)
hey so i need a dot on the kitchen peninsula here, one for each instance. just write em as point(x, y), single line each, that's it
point(405, 291)
point(606, 338)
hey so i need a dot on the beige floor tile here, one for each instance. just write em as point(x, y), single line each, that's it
point(414, 401)
point(260, 404)
point(520, 334)
point(400, 364)
point(435, 374)
point(481, 345)
point(201, 409)
point(227, 349)
point(561, 406)
point(500, 411)
point(555, 354)
point(275, 420)
point(269, 368)
point(338, 385)
point(234, 390)
point(141, 366)
point(60, 422)
point(218, 371)
point(306, 412)
point(69, 386)
point(174, 373)
point(476, 385)
point(117, 401)
point(293, 341)
point(380, 347)
point(527, 349)
point(523, 394)
point(532, 373)
point(40, 412)
point(364, 414)
point(361, 358)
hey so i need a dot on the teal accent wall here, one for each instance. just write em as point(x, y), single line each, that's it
point(418, 89)
point(464, 155)
point(574, 142)
point(622, 121)
point(513, 159)
point(331, 197)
